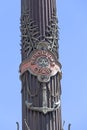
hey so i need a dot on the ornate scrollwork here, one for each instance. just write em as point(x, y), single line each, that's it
point(52, 35)
point(31, 37)
point(29, 34)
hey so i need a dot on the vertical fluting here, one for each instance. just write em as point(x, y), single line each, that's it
point(39, 24)
point(43, 14)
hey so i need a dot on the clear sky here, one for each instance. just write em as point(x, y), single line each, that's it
point(72, 16)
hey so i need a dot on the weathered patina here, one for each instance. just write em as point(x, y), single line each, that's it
point(40, 69)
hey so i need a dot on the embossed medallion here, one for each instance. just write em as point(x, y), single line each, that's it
point(42, 63)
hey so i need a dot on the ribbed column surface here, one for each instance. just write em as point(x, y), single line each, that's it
point(39, 29)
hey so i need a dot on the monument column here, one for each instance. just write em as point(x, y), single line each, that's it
point(40, 69)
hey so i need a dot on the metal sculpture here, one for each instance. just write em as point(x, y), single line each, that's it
point(40, 70)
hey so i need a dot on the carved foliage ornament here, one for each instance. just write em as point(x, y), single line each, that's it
point(52, 35)
point(30, 35)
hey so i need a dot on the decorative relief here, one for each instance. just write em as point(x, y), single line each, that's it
point(39, 56)
point(29, 34)
point(52, 35)
point(43, 109)
point(43, 64)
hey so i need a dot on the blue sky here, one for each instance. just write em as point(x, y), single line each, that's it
point(72, 16)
